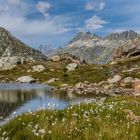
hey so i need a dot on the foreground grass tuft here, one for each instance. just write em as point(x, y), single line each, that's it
point(102, 119)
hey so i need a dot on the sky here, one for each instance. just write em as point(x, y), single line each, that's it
point(56, 22)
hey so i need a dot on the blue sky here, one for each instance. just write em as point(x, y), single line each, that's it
point(55, 22)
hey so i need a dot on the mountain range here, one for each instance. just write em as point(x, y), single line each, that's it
point(92, 48)
point(88, 47)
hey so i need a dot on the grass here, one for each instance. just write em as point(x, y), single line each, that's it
point(59, 71)
point(103, 119)
point(85, 72)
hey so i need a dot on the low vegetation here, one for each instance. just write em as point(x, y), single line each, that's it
point(86, 72)
point(101, 119)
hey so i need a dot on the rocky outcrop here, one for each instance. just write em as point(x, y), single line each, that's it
point(128, 49)
point(93, 88)
point(7, 63)
point(115, 79)
point(13, 47)
point(106, 87)
point(66, 57)
point(26, 79)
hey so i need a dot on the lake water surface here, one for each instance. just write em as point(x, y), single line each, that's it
point(16, 99)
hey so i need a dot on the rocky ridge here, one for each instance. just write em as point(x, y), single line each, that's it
point(94, 49)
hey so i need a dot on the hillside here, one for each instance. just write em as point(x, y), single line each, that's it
point(11, 46)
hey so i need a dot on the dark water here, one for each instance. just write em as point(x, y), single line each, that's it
point(16, 99)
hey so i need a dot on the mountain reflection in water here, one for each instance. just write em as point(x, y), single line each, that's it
point(16, 99)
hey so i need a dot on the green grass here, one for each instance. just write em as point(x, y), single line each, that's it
point(91, 73)
point(85, 72)
point(103, 119)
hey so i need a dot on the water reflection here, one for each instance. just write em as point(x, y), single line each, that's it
point(19, 98)
point(16, 99)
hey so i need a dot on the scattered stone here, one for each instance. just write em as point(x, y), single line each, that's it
point(113, 63)
point(128, 80)
point(26, 79)
point(72, 66)
point(52, 70)
point(93, 88)
point(28, 71)
point(115, 79)
point(52, 80)
point(55, 58)
point(38, 68)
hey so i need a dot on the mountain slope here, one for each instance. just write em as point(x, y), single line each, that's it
point(95, 49)
point(11, 46)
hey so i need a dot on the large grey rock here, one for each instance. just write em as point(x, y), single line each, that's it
point(55, 58)
point(7, 63)
point(114, 80)
point(26, 79)
point(72, 66)
point(128, 49)
point(38, 68)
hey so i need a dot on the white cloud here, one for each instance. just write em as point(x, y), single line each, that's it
point(43, 7)
point(13, 8)
point(101, 6)
point(14, 18)
point(94, 23)
point(96, 6)
point(23, 26)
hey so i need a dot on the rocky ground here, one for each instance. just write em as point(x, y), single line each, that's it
point(112, 87)
point(69, 74)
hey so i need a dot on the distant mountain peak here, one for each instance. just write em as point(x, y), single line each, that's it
point(123, 35)
point(83, 36)
point(95, 49)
